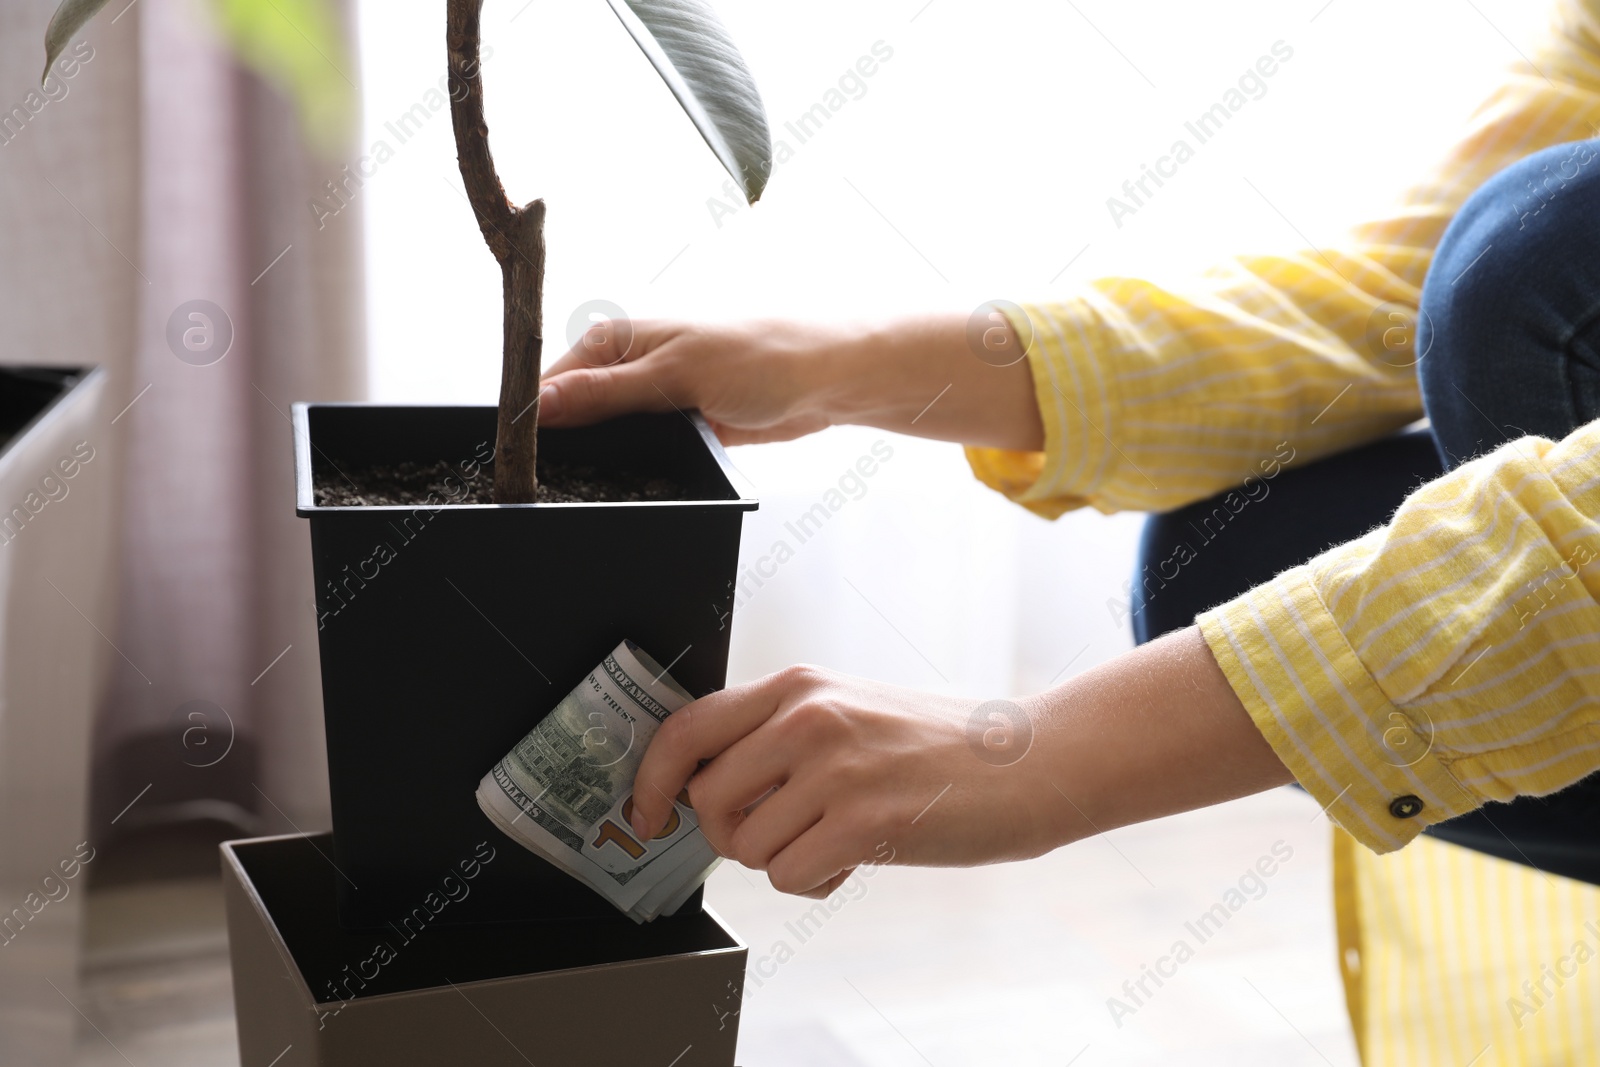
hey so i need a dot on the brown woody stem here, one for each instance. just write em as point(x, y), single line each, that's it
point(516, 237)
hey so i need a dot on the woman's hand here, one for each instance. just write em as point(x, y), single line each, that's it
point(754, 382)
point(857, 771)
point(775, 381)
point(806, 773)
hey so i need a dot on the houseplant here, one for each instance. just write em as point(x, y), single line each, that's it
point(683, 39)
point(447, 627)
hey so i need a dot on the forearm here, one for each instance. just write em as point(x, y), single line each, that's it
point(1154, 732)
point(919, 375)
point(778, 380)
point(807, 773)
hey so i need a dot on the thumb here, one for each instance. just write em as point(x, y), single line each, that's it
point(581, 397)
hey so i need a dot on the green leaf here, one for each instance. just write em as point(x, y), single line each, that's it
point(691, 50)
point(69, 18)
point(297, 46)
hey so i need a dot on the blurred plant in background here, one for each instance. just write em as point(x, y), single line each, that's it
point(296, 46)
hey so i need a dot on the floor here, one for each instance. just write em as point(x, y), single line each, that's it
point(156, 986)
point(1015, 964)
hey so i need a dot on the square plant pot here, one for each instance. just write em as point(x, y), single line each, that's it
point(56, 522)
point(446, 632)
point(310, 993)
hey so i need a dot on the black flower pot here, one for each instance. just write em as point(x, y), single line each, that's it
point(446, 632)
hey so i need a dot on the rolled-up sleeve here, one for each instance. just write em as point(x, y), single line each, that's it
point(1153, 397)
point(1447, 659)
point(1156, 394)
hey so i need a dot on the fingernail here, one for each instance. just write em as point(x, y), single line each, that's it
point(639, 825)
point(549, 402)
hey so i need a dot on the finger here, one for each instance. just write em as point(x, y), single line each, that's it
point(594, 394)
point(757, 837)
point(699, 731)
point(816, 857)
point(609, 343)
point(824, 891)
point(723, 789)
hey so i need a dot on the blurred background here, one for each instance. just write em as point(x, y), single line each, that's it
point(974, 164)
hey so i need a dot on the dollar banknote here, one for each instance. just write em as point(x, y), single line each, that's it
point(566, 790)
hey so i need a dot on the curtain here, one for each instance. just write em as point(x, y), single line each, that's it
point(159, 184)
point(215, 704)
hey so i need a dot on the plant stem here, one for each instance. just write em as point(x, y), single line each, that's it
point(516, 237)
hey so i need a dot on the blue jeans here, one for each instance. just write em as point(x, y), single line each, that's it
point(1508, 337)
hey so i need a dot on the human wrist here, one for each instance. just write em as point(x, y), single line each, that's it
point(919, 375)
point(852, 376)
point(1155, 731)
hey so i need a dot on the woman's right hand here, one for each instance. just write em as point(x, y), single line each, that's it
point(777, 380)
point(753, 382)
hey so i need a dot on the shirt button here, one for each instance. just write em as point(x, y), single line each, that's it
point(1404, 807)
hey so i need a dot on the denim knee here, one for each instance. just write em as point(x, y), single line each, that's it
point(1508, 327)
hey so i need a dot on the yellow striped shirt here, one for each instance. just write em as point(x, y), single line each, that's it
point(1451, 656)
